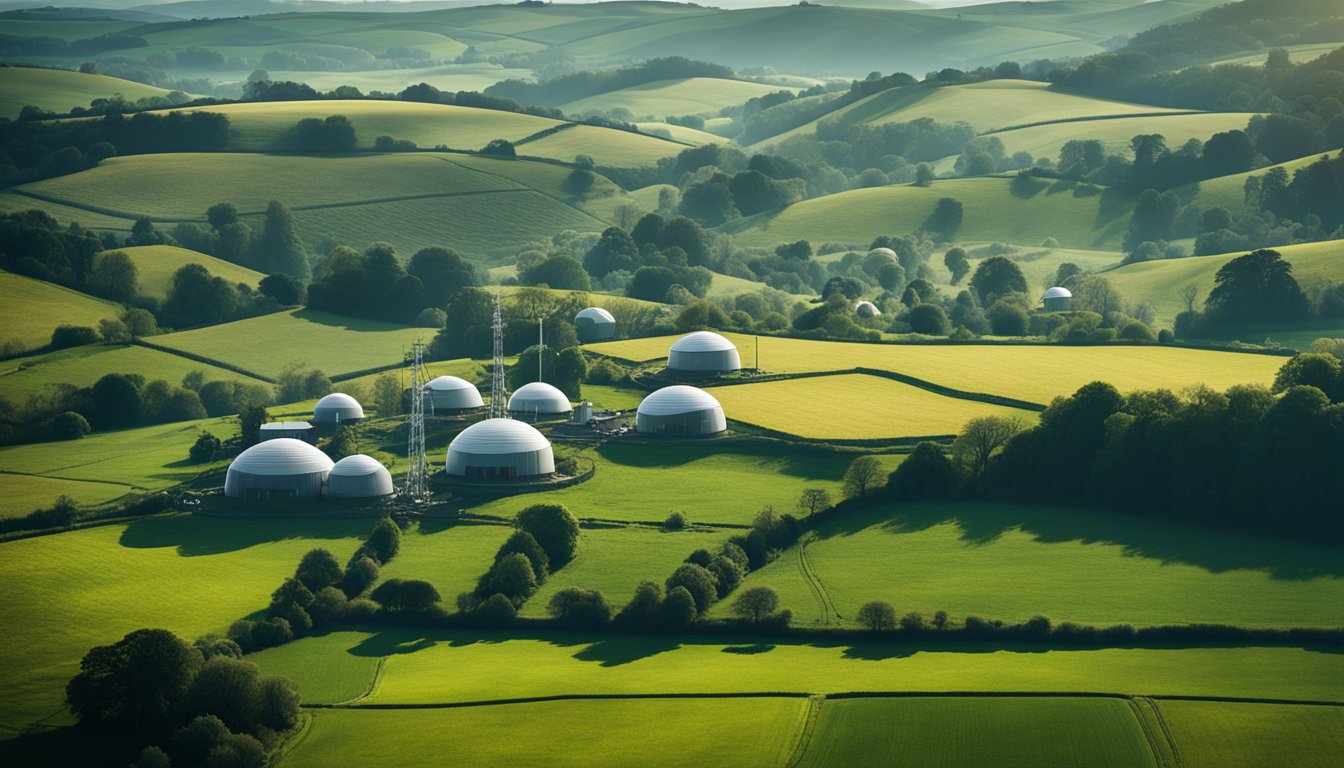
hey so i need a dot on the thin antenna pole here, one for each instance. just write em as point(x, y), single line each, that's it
point(541, 347)
point(498, 408)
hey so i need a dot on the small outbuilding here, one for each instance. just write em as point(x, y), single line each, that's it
point(298, 430)
point(703, 351)
point(595, 324)
point(337, 408)
point(680, 410)
point(1057, 299)
point(867, 309)
point(278, 469)
point(539, 400)
point(449, 393)
point(359, 476)
point(500, 449)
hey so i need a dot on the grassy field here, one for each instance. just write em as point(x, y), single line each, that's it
point(1007, 210)
point(1008, 562)
point(1159, 282)
point(24, 493)
point(157, 263)
point(1296, 54)
point(823, 408)
point(32, 309)
point(59, 90)
point(428, 666)
point(65, 214)
point(1229, 191)
point(661, 98)
point(82, 366)
point(1035, 373)
point(1223, 735)
point(83, 588)
point(975, 732)
point(449, 557)
point(333, 344)
point(681, 133)
point(605, 145)
point(612, 398)
point(1115, 133)
point(752, 733)
point(445, 77)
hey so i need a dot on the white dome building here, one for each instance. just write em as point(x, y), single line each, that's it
point(867, 309)
point(539, 400)
point(337, 408)
point(884, 252)
point(278, 469)
point(499, 449)
point(1057, 299)
point(704, 351)
point(449, 393)
point(680, 410)
point(359, 476)
point(595, 324)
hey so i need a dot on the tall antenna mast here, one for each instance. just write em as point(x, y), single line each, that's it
point(417, 473)
point(498, 393)
point(541, 347)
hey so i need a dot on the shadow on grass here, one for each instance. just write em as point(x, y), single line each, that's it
point(750, 650)
point(615, 650)
point(195, 535)
point(1212, 550)
point(821, 464)
point(392, 643)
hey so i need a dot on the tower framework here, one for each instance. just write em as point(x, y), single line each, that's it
point(499, 395)
point(417, 473)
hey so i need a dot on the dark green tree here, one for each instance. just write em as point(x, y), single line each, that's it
point(927, 473)
point(576, 608)
point(319, 569)
point(279, 249)
point(996, 277)
point(141, 680)
point(1256, 287)
point(554, 527)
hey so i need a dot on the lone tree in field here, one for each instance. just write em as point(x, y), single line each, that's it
point(956, 263)
point(877, 616)
point(1257, 286)
point(756, 604)
point(814, 500)
point(864, 475)
point(980, 438)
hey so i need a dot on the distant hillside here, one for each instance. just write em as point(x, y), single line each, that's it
point(691, 96)
point(57, 90)
point(32, 309)
point(155, 265)
point(1243, 26)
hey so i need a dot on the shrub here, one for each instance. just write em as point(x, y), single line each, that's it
point(642, 610)
point(912, 622)
point(677, 611)
point(523, 543)
point(577, 608)
point(66, 336)
point(1135, 331)
point(496, 611)
point(385, 540)
point(329, 605)
point(511, 576)
point(697, 581)
point(319, 569)
point(229, 689)
point(675, 522)
point(727, 575)
point(554, 527)
point(927, 473)
point(205, 448)
point(877, 616)
point(362, 572)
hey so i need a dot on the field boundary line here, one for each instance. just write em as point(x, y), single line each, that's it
point(192, 356)
point(373, 682)
point(811, 715)
point(1166, 730)
point(559, 200)
point(1163, 749)
point(1095, 118)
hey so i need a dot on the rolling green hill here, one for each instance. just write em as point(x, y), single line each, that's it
point(82, 366)
point(1296, 54)
point(155, 265)
point(691, 96)
point(59, 90)
point(1115, 133)
point(1229, 191)
point(32, 309)
point(1014, 211)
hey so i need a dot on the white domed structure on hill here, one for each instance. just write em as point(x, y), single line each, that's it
point(449, 393)
point(360, 477)
point(595, 324)
point(884, 252)
point(703, 351)
point(499, 449)
point(1057, 299)
point(277, 469)
point(539, 400)
point(680, 410)
point(337, 408)
point(867, 309)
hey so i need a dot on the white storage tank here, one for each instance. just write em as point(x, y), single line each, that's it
point(595, 324)
point(680, 410)
point(299, 430)
point(337, 408)
point(703, 351)
point(1058, 299)
point(359, 476)
point(500, 449)
point(279, 468)
point(449, 393)
point(867, 309)
point(539, 400)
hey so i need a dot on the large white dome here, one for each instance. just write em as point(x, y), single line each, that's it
point(449, 383)
point(539, 398)
point(281, 456)
point(452, 393)
point(357, 465)
point(499, 449)
point(676, 399)
point(596, 315)
point(702, 341)
point(1058, 293)
point(337, 407)
point(495, 436)
point(883, 252)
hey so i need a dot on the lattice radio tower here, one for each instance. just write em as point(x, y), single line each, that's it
point(417, 474)
point(499, 394)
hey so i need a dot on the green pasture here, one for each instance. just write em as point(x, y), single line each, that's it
point(1026, 210)
point(1160, 282)
point(144, 457)
point(752, 733)
point(1038, 265)
point(681, 133)
point(66, 28)
point(11, 202)
point(1230, 191)
point(661, 98)
point(32, 309)
point(969, 732)
point(612, 398)
point(22, 494)
point(333, 344)
point(710, 484)
point(729, 285)
point(1296, 54)
point(647, 197)
point(1013, 562)
point(614, 561)
point(59, 90)
point(1116, 132)
point(445, 77)
point(432, 666)
point(89, 587)
point(1226, 735)
point(451, 557)
point(82, 366)
point(155, 265)
point(1032, 372)
point(605, 145)
point(853, 407)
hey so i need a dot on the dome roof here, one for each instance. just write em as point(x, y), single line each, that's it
point(867, 309)
point(357, 466)
point(449, 383)
point(499, 436)
point(337, 406)
point(677, 399)
point(883, 252)
point(281, 456)
point(596, 314)
point(541, 396)
point(1058, 293)
point(702, 341)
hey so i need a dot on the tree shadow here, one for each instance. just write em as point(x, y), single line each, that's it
point(393, 642)
point(615, 650)
point(795, 461)
point(749, 650)
point(1025, 186)
point(195, 535)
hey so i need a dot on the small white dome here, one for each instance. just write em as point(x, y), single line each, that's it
point(867, 309)
point(357, 466)
point(494, 436)
point(449, 384)
point(449, 393)
point(676, 399)
point(595, 314)
point(539, 397)
point(337, 407)
point(281, 456)
point(883, 252)
point(702, 341)
point(1058, 293)
point(359, 476)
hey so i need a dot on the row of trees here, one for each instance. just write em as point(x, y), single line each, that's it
point(376, 285)
point(544, 540)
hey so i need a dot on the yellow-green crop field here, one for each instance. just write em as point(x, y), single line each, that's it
point(60, 90)
point(155, 265)
point(681, 133)
point(1227, 735)
point(1296, 54)
point(32, 309)
point(1012, 562)
point(994, 209)
point(82, 366)
point(1035, 373)
point(661, 98)
point(853, 407)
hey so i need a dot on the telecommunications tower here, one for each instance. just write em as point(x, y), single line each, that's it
point(499, 396)
point(417, 474)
